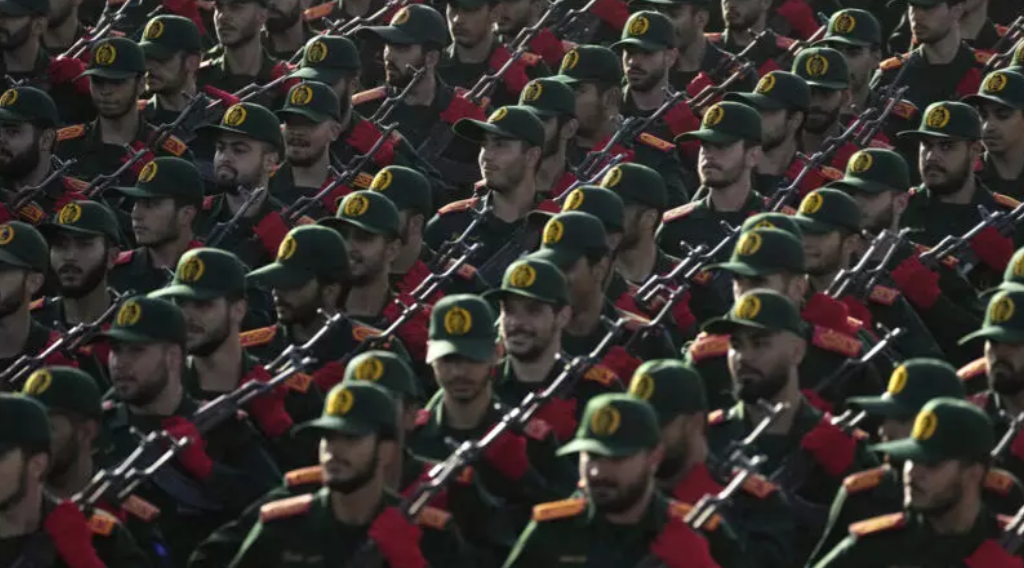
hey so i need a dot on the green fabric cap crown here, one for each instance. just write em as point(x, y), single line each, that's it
point(875, 170)
point(823, 67)
point(313, 100)
point(387, 370)
point(464, 325)
point(945, 429)
point(569, 236)
point(911, 386)
point(853, 27)
point(759, 309)
point(206, 274)
point(948, 120)
point(604, 204)
point(764, 252)
point(31, 8)
point(413, 24)
point(533, 278)
point(826, 210)
point(252, 121)
point(650, 31)
point(65, 389)
point(23, 422)
point(637, 184)
point(142, 320)
point(22, 246)
point(590, 63)
point(772, 220)
point(549, 98)
point(367, 210)
point(407, 189)
point(726, 123)
point(28, 104)
point(166, 35)
point(671, 387)
point(357, 408)
point(1003, 323)
point(327, 59)
point(1003, 87)
point(1015, 268)
point(117, 59)
point(615, 425)
point(87, 218)
point(168, 177)
point(307, 252)
point(516, 122)
point(777, 90)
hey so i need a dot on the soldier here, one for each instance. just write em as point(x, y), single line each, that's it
point(595, 73)
point(621, 519)
point(946, 461)
point(830, 221)
point(510, 151)
point(359, 441)
point(30, 130)
point(167, 199)
point(948, 201)
point(555, 105)
point(878, 491)
point(63, 27)
point(475, 52)
point(803, 449)
point(697, 54)
point(173, 51)
point(33, 515)
point(858, 36)
point(415, 38)
point(515, 15)
point(534, 312)
point(116, 77)
point(1000, 107)
point(744, 21)
point(221, 470)
point(688, 471)
point(285, 30)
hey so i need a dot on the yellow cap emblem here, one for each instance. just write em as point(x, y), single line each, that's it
point(129, 314)
point(316, 52)
point(606, 421)
point(69, 214)
point(381, 181)
point(38, 383)
point(552, 233)
point(192, 270)
point(766, 84)
point(642, 386)
point(811, 203)
point(938, 117)
point(287, 248)
point(523, 276)
point(105, 55)
point(235, 116)
point(995, 83)
point(816, 66)
point(638, 26)
point(748, 308)
point(369, 369)
point(570, 60)
point(861, 162)
point(355, 205)
point(458, 321)
point(612, 178)
point(498, 115)
point(339, 402)
point(749, 244)
point(1001, 309)
point(6, 234)
point(844, 24)
point(301, 95)
point(532, 92)
point(149, 171)
point(574, 200)
point(925, 426)
point(9, 97)
point(898, 380)
point(154, 29)
point(713, 116)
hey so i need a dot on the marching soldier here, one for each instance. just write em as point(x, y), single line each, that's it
point(555, 106)
point(285, 30)
point(620, 519)
point(71, 539)
point(688, 472)
point(858, 35)
point(515, 15)
point(173, 50)
point(944, 520)
point(744, 21)
point(220, 471)
point(64, 27)
point(1000, 107)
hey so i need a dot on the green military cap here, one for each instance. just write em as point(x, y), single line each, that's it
point(306, 253)
point(357, 408)
point(1003, 87)
point(759, 309)
point(461, 324)
point(31, 8)
point(911, 386)
point(168, 177)
point(367, 210)
point(252, 121)
point(945, 429)
point(650, 31)
point(590, 63)
point(615, 425)
point(23, 246)
point(603, 203)
point(413, 24)
point(313, 100)
point(206, 274)
point(726, 123)
point(328, 59)
point(515, 122)
point(1018, 58)
point(88, 218)
point(1003, 322)
point(764, 252)
point(826, 210)
point(772, 220)
point(671, 387)
point(637, 184)
point(1015, 268)
point(23, 422)
point(874, 170)
point(570, 236)
point(407, 189)
point(143, 320)
point(116, 58)
point(822, 67)
point(28, 104)
point(166, 35)
point(535, 279)
point(948, 120)
point(777, 90)
point(65, 389)
point(549, 98)
point(853, 27)
point(387, 370)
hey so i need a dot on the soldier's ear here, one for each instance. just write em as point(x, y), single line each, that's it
point(799, 347)
point(431, 59)
point(900, 203)
point(672, 55)
point(47, 138)
point(37, 466)
point(34, 283)
point(191, 62)
point(568, 131)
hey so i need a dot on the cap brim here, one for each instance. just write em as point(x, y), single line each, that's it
point(158, 51)
point(712, 136)
point(112, 74)
point(499, 293)
point(649, 46)
point(138, 192)
point(812, 227)
point(338, 224)
point(544, 113)
point(388, 34)
point(726, 326)
point(305, 113)
point(336, 424)
point(597, 448)
point(860, 185)
point(50, 229)
point(756, 101)
point(994, 333)
point(883, 407)
point(978, 99)
point(474, 130)
point(907, 449)
point(276, 275)
point(568, 79)
point(742, 269)
point(480, 350)
point(918, 134)
point(7, 115)
point(842, 40)
point(187, 292)
point(831, 85)
point(562, 258)
point(17, 10)
point(126, 336)
point(9, 259)
point(326, 76)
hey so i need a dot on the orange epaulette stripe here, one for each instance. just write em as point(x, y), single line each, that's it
point(319, 11)
point(680, 510)
point(124, 257)
point(891, 63)
point(305, 476)
point(367, 96)
point(286, 508)
point(141, 508)
point(972, 370)
point(433, 517)
point(461, 205)
point(716, 417)
point(884, 295)
point(70, 132)
point(655, 142)
point(102, 523)
point(259, 336)
point(559, 509)
point(999, 481)
point(832, 340)
point(858, 482)
point(1008, 202)
point(879, 524)
point(708, 346)
point(678, 213)
point(601, 375)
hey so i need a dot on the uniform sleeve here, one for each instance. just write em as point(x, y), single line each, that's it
point(119, 550)
point(244, 471)
point(217, 550)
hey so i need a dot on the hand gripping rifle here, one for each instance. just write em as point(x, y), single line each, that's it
point(1009, 436)
point(597, 177)
point(342, 27)
point(186, 123)
point(482, 89)
point(785, 60)
point(28, 194)
point(862, 278)
point(222, 230)
point(738, 452)
point(1005, 47)
point(850, 367)
point(102, 182)
point(680, 276)
point(960, 247)
point(889, 98)
point(459, 245)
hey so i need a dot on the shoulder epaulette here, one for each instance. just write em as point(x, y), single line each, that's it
point(529, 58)
point(784, 42)
point(423, 416)
point(879, 524)
point(433, 517)
point(174, 145)
point(361, 332)
point(999, 481)
point(305, 476)
point(832, 174)
point(124, 257)
point(140, 508)
point(679, 212)
point(32, 213)
point(559, 509)
point(832, 340)
point(601, 375)
point(680, 510)
point(36, 304)
point(461, 205)
point(707, 346)
point(74, 184)
point(759, 486)
point(891, 63)
point(983, 57)
point(877, 143)
point(70, 132)
point(102, 523)
point(884, 295)
point(367, 96)
point(286, 508)
point(537, 429)
point(972, 370)
point(904, 109)
point(863, 480)
point(716, 417)
point(259, 336)
point(319, 11)
point(208, 202)
point(1008, 202)
point(655, 142)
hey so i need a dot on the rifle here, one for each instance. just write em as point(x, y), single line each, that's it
point(851, 366)
point(450, 249)
point(960, 247)
point(182, 123)
point(890, 97)
point(68, 342)
point(860, 280)
point(564, 25)
point(346, 27)
point(786, 59)
point(1009, 436)
point(1011, 540)
point(1005, 47)
point(482, 89)
point(681, 274)
point(222, 230)
point(731, 59)
point(102, 28)
point(28, 194)
point(100, 183)
point(737, 451)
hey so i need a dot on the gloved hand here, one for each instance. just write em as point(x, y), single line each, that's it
point(187, 9)
point(824, 311)
point(548, 46)
point(615, 13)
point(699, 83)
point(268, 410)
point(798, 14)
point(63, 70)
point(830, 447)
point(679, 546)
point(69, 531)
point(508, 454)
point(621, 362)
point(919, 285)
point(328, 375)
point(683, 317)
point(515, 78)
point(1018, 447)
point(224, 96)
point(858, 311)
point(397, 539)
point(194, 457)
point(993, 249)
point(271, 230)
point(816, 400)
point(990, 554)
point(279, 70)
point(146, 158)
point(561, 415)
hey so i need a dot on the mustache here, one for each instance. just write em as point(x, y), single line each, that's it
point(69, 269)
